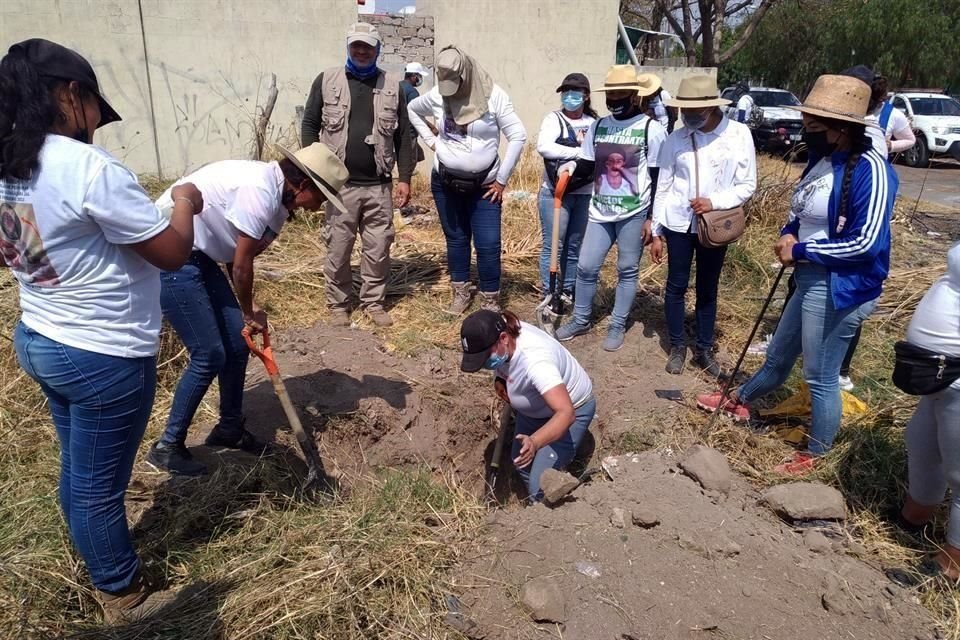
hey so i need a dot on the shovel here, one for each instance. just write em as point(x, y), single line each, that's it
point(550, 310)
point(506, 415)
point(317, 478)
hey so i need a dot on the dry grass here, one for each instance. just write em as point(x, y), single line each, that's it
point(256, 561)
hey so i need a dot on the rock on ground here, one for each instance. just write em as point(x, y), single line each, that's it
point(817, 542)
point(543, 599)
point(708, 467)
point(556, 485)
point(805, 501)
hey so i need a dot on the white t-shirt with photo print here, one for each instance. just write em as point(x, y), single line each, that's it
point(810, 203)
point(64, 236)
point(624, 151)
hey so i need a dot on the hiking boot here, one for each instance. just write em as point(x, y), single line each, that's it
point(135, 603)
point(846, 384)
point(571, 330)
point(220, 437)
point(340, 317)
point(462, 298)
point(175, 459)
point(678, 355)
point(379, 316)
point(614, 339)
point(490, 301)
point(739, 411)
point(705, 360)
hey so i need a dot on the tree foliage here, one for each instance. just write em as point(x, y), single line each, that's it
point(912, 42)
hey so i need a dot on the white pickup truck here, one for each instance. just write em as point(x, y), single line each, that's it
point(935, 119)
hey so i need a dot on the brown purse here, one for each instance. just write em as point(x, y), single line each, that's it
point(719, 227)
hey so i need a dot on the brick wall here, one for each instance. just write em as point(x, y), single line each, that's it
point(405, 39)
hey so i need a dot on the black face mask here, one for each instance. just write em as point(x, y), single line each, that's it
point(816, 142)
point(620, 108)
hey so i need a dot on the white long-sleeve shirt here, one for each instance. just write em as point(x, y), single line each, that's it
point(898, 132)
point(728, 173)
point(475, 147)
point(550, 129)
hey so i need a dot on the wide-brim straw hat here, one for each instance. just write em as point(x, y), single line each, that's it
point(697, 92)
point(322, 166)
point(837, 98)
point(624, 77)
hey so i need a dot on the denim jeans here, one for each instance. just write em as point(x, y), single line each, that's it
point(100, 405)
point(599, 237)
point(573, 224)
point(681, 250)
point(556, 455)
point(811, 325)
point(466, 217)
point(199, 304)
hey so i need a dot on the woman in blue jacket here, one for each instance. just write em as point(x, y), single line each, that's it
point(838, 240)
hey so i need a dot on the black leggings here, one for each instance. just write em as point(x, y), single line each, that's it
point(851, 348)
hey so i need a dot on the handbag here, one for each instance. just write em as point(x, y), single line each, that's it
point(920, 372)
point(552, 166)
point(719, 227)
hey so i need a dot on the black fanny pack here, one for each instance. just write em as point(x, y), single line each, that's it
point(463, 182)
point(920, 372)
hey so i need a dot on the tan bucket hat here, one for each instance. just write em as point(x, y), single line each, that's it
point(837, 98)
point(323, 167)
point(696, 92)
point(623, 77)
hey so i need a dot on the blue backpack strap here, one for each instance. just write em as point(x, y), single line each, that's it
point(885, 112)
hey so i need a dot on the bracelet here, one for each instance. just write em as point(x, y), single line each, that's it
point(192, 207)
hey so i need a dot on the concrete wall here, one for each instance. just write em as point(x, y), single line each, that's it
point(209, 62)
point(407, 38)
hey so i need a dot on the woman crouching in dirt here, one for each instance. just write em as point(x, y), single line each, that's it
point(86, 244)
point(550, 393)
point(838, 238)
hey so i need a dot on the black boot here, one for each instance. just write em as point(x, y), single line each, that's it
point(678, 355)
point(706, 361)
point(175, 459)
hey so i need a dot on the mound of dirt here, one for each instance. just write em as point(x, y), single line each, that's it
point(690, 564)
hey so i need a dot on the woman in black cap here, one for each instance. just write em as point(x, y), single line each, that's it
point(547, 388)
point(561, 134)
point(90, 320)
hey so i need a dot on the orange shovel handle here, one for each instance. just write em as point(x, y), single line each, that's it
point(562, 180)
point(265, 353)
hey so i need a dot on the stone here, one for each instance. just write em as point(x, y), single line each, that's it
point(644, 517)
point(816, 541)
point(407, 32)
point(556, 485)
point(727, 548)
point(543, 600)
point(416, 42)
point(835, 599)
point(425, 32)
point(618, 518)
point(805, 501)
point(708, 467)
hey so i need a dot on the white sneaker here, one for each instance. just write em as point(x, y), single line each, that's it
point(846, 384)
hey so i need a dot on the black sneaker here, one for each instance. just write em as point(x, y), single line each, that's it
point(706, 361)
point(678, 356)
point(220, 437)
point(175, 459)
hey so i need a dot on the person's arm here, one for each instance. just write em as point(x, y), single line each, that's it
point(312, 114)
point(417, 112)
point(744, 177)
point(403, 142)
point(558, 399)
point(903, 136)
point(547, 146)
point(665, 171)
point(516, 135)
point(169, 249)
point(241, 273)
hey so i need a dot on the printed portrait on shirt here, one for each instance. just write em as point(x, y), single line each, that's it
point(454, 134)
point(21, 246)
point(615, 175)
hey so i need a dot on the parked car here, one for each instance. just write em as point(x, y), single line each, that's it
point(935, 119)
point(779, 129)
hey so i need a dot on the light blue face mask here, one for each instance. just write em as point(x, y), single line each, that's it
point(572, 100)
point(496, 360)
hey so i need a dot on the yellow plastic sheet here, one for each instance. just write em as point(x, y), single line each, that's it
point(799, 405)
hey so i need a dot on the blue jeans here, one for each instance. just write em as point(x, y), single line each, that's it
point(466, 217)
point(599, 237)
point(573, 224)
point(100, 405)
point(556, 455)
point(198, 302)
point(681, 250)
point(811, 325)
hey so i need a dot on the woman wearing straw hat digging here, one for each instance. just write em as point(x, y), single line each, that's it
point(620, 151)
point(838, 238)
point(709, 164)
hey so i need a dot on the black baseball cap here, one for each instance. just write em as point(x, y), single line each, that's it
point(478, 333)
point(56, 61)
point(574, 81)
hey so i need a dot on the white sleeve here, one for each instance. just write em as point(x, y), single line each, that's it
point(120, 206)
point(665, 162)
point(512, 129)
point(252, 210)
point(417, 110)
point(544, 375)
point(587, 151)
point(547, 146)
point(744, 174)
point(903, 137)
point(657, 136)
